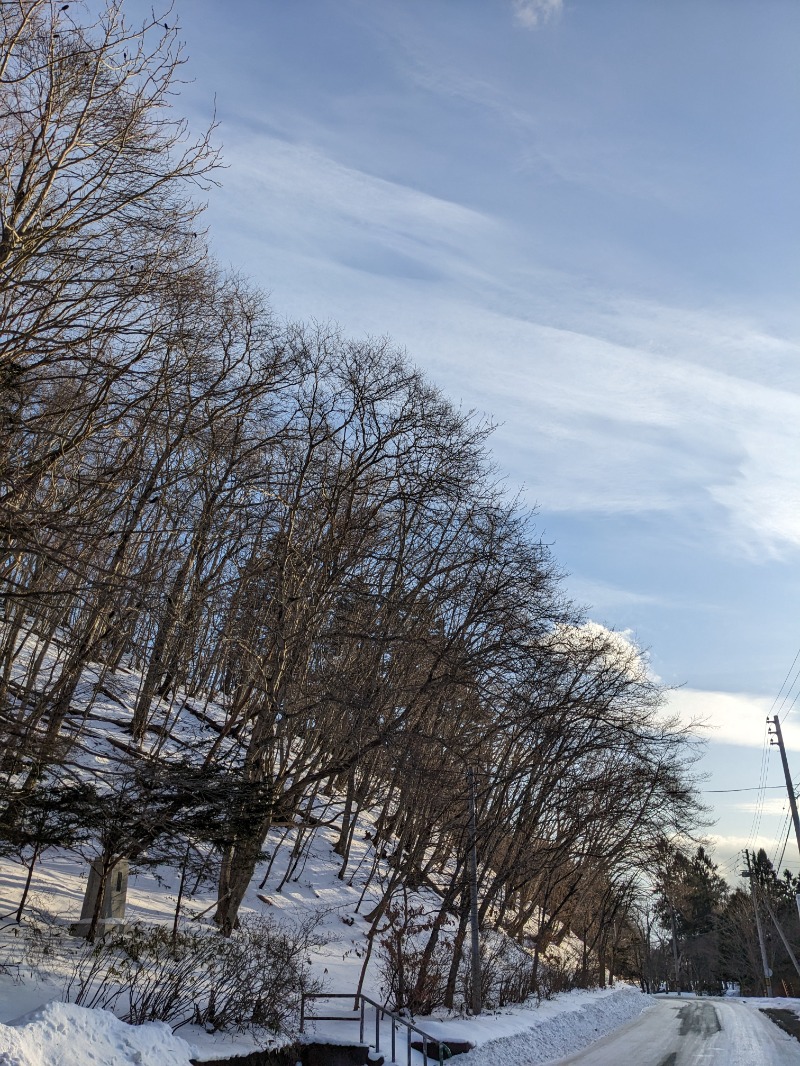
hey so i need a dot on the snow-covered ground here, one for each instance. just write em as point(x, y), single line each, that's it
point(691, 1031)
point(576, 1028)
point(529, 1033)
point(62, 1033)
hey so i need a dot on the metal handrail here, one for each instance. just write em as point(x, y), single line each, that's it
point(360, 1001)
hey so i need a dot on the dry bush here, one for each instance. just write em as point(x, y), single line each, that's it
point(251, 981)
point(30, 947)
point(555, 975)
point(507, 972)
point(400, 960)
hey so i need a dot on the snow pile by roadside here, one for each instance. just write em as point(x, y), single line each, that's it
point(62, 1034)
point(578, 1019)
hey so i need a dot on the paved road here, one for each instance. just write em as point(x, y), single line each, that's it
point(693, 1032)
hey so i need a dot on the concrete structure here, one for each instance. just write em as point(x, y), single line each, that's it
point(112, 911)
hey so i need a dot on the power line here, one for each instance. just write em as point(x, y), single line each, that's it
point(762, 777)
point(767, 747)
point(755, 788)
point(794, 701)
point(762, 786)
point(777, 865)
point(781, 832)
point(780, 690)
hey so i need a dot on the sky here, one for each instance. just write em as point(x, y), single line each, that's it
point(581, 218)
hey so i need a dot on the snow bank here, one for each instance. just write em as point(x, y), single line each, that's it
point(61, 1034)
point(562, 1032)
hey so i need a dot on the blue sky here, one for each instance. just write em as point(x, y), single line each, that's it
point(582, 218)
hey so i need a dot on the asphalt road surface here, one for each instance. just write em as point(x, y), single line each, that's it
point(693, 1032)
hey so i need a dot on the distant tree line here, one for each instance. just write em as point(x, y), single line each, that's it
point(693, 933)
point(293, 541)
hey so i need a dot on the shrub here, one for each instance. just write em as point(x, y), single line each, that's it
point(252, 980)
point(556, 974)
point(400, 959)
point(30, 947)
point(507, 972)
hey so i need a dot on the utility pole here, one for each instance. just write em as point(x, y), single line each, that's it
point(767, 971)
point(675, 956)
point(667, 872)
point(776, 723)
point(782, 935)
point(475, 960)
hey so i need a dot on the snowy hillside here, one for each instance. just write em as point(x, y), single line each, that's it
point(301, 883)
point(568, 1022)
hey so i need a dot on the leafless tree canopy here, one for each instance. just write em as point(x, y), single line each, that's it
point(292, 533)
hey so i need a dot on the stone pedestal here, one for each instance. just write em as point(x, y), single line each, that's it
point(112, 911)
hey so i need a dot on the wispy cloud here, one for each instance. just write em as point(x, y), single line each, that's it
point(732, 717)
point(620, 408)
point(302, 175)
point(600, 596)
point(619, 428)
point(531, 13)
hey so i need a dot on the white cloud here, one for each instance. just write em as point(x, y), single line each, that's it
point(769, 805)
point(530, 13)
point(764, 496)
point(617, 648)
point(727, 853)
point(732, 717)
point(611, 427)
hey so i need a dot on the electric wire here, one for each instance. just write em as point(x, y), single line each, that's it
point(755, 825)
point(783, 834)
point(792, 705)
point(729, 868)
point(762, 786)
point(783, 683)
point(777, 865)
point(788, 833)
point(767, 747)
point(754, 788)
point(732, 866)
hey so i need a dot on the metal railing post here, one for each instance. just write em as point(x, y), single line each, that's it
point(360, 1004)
